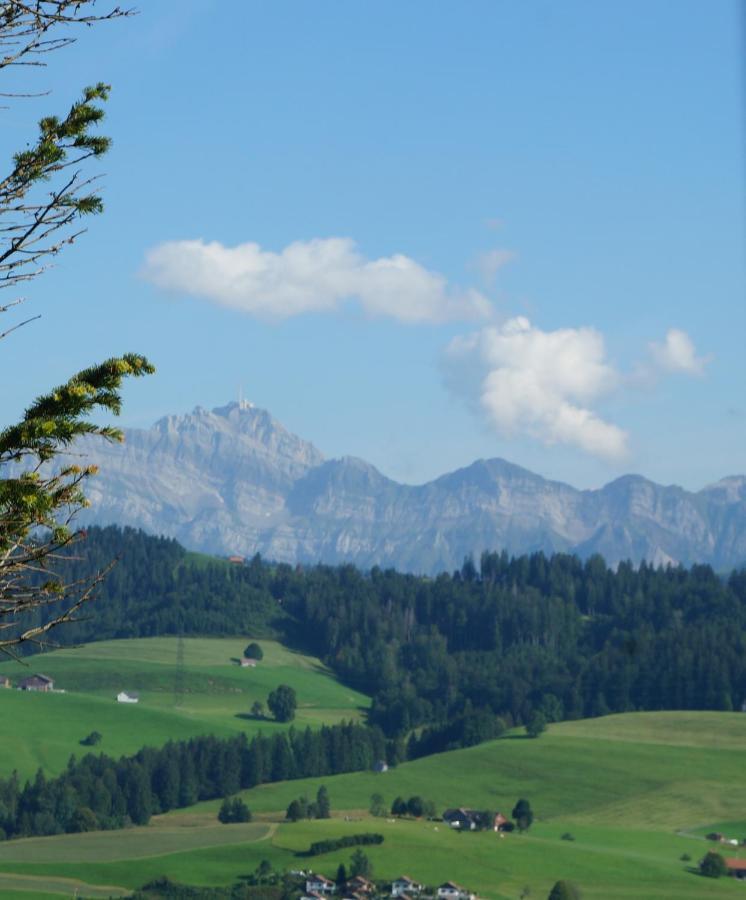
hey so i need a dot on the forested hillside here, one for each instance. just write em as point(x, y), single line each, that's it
point(512, 637)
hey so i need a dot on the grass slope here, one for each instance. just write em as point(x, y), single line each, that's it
point(624, 786)
point(217, 696)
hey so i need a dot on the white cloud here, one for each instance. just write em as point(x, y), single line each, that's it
point(492, 261)
point(309, 276)
point(538, 383)
point(677, 354)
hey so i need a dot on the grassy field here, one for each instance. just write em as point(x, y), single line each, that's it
point(217, 697)
point(636, 792)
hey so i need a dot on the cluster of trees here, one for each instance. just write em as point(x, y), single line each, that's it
point(349, 840)
point(301, 808)
point(282, 703)
point(523, 815)
point(415, 806)
point(98, 792)
point(233, 810)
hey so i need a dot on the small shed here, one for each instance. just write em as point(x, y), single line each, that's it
point(128, 697)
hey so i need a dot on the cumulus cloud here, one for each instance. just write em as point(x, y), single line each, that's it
point(538, 383)
point(309, 276)
point(677, 354)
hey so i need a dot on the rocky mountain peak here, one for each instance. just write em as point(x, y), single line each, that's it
point(234, 480)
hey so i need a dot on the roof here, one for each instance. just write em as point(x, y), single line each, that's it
point(407, 879)
point(130, 694)
point(312, 877)
point(735, 865)
point(450, 885)
point(38, 677)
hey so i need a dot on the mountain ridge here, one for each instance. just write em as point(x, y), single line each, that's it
point(234, 480)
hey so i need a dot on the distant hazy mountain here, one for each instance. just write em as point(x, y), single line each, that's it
point(234, 481)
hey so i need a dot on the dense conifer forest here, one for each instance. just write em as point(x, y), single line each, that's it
point(465, 653)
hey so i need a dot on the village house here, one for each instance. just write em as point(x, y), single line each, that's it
point(404, 886)
point(359, 885)
point(247, 663)
point(451, 891)
point(5, 681)
point(471, 819)
point(317, 884)
point(736, 867)
point(128, 697)
point(36, 683)
point(460, 819)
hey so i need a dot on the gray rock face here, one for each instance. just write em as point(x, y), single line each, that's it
point(234, 481)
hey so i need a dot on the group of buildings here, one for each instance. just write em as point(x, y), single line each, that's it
point(30, 683)
point(45, 684)
point(360, 888)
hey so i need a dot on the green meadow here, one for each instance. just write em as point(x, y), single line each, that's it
point(635, 791)
point(217, 696)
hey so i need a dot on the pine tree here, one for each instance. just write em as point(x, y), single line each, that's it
point(42, 200)
point(323, 806)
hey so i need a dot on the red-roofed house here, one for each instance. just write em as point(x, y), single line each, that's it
point(736, 867)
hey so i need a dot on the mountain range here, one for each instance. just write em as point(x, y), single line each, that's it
point(234, 481)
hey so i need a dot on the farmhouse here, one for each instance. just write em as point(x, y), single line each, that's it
point(736, 867)
point(471, 819)
point(451, 891)
point(36, 683)
point(247, 663)
point(461, 819)
point(128, 697)
point(404, 886)
point(317, 884)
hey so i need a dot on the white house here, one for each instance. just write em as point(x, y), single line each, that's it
point(317, 884)
point(404, 886)
point(127, 697)
point(451, 891)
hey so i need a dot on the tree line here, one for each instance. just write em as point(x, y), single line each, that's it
point(99, 792)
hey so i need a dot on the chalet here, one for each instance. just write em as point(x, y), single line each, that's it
point(128, 697)
point(36, 683)
point(380, 765)
point(247, 663)
point(404, 886)
point(736, 867)
point(5, 681)
point(317, 884)
point(451, 891)
point(236, 560)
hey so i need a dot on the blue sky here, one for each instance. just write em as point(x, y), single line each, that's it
point(539, 220)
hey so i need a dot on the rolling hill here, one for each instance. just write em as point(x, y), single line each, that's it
point(635, 792)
